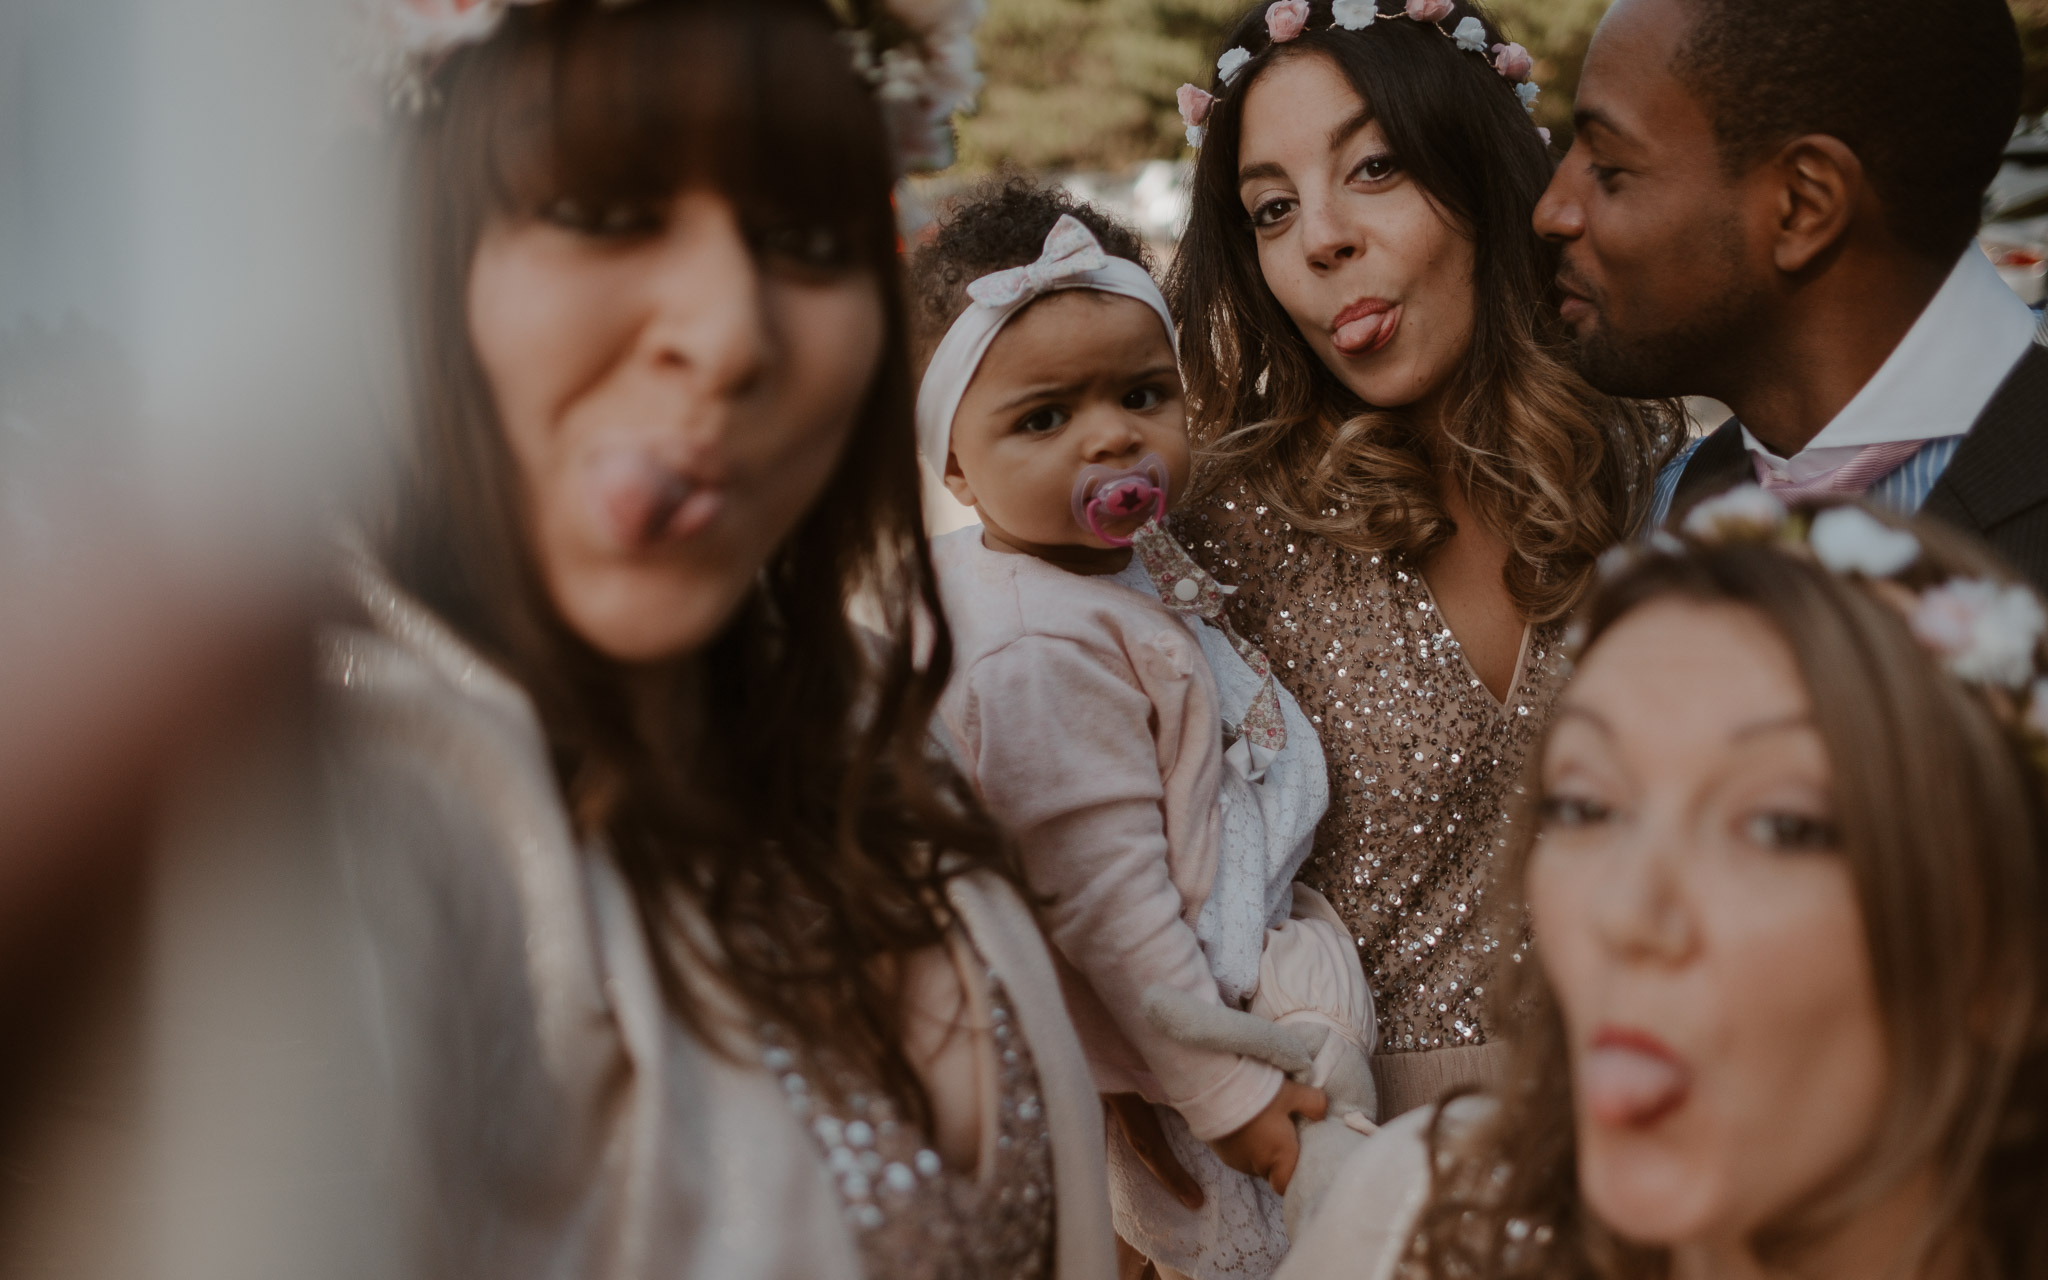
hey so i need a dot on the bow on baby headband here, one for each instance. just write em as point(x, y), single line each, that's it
point(1072, 259)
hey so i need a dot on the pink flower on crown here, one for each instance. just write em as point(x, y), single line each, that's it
point(1195, 105)
point(1429, 10)
point(1988, 631)
point(1285, 19)
point(1513, 61)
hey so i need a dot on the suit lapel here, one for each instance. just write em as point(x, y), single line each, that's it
point(2001, 468)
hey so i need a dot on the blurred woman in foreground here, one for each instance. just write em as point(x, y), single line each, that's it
point(693, 960)
point(1785, 883)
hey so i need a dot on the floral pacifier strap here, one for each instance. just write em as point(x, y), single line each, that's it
point(1187, 588)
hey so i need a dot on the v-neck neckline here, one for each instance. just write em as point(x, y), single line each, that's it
point(1521, 671)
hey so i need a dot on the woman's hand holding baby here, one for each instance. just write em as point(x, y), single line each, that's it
point(1268, 1146)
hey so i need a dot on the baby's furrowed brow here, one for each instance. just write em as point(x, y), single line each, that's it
point(1043, 391)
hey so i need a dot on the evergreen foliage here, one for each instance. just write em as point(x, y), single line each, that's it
point(1089, 84)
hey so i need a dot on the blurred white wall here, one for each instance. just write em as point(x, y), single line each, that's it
point(190, 213)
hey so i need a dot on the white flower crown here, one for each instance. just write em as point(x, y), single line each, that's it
point(917, 54)
point(1287, 19)
point(1986, 633)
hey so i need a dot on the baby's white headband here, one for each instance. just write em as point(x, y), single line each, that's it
point(1073, 259)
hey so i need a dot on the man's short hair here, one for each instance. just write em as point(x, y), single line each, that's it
point(1924, 91)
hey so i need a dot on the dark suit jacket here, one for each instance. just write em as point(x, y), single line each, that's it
point(1996, 486)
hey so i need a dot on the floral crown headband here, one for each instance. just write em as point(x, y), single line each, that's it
point(918, 55)
point(1985, 633)
point(1287, 19)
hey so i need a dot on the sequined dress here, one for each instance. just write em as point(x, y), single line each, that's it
point(912, 1217)
point(1422, 756)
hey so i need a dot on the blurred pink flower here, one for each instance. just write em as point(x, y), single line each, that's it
point(1544, 134)
point(1513, 61)
point(1987, 630)
point(1195, 105)
point(1285, 19)
point(1429, 10)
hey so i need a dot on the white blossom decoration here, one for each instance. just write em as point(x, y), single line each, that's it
point(1746, 511)
point(921, 82)
point(1851, 540)
point(1471, 35)
point(1354, 15)
point(1527, 91)
point(431, 28)
point(1987, 631)
point(1232, 62)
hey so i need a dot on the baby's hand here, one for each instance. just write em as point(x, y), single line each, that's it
point(1268, 1146)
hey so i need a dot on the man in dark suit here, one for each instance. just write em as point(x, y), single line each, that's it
point(1774, 203)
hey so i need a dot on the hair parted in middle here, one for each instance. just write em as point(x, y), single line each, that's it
point(1941, 807)
point(1559, 470)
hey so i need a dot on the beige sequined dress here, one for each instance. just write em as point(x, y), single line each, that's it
point(1422, 760)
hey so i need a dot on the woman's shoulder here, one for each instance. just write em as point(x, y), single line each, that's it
point(1368, 1216)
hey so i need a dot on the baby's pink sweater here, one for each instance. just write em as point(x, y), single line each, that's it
point(1087, 718)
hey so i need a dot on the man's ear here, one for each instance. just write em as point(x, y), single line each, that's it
point(1820, 189)
point(956, 481)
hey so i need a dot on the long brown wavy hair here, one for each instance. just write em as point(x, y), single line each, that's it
point(1560, 471)
point(771, 800)
point(1943, 816)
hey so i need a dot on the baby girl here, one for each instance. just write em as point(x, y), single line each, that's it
point(1162, 787)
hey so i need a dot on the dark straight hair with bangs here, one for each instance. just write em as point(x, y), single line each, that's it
point(777, 786)
point(1558, 469)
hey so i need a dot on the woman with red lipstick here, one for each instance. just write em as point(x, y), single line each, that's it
point(1399, 467)
point(1785, 1011)
point(690, 958)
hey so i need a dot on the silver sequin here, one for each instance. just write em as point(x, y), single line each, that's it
point(914, 1218)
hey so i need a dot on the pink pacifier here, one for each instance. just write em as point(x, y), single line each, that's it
point(1129, 496)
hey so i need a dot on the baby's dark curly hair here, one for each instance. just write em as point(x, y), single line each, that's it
point(999, 223)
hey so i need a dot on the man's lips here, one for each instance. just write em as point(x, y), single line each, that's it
point(1573, 302)
point(1631, 1079)
point(1365, 326)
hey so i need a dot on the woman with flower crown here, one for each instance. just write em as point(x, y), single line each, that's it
point(1400, 469)
point(689, 958)
point(1784, 1002)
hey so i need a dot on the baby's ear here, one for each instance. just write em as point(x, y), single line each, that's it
point(956, 481)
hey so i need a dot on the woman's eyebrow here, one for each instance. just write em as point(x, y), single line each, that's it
point(1344, 132)
point(1254, 171)
point(1569, 711)
point(1780, 724)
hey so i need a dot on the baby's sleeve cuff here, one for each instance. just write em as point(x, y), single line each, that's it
point(1232, 1102)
